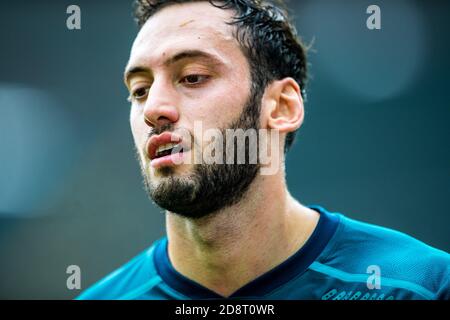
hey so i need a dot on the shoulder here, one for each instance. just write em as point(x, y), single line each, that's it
point(402, 260)
point(136, 275)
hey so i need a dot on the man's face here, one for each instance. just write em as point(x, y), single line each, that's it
point(186, 66)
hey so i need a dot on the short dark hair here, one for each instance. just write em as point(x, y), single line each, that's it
point(267, 37)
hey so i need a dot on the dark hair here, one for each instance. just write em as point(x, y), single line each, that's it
point(266, 35)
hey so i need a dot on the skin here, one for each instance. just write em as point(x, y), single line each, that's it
point(228, 249)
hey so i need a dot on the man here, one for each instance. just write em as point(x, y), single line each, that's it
point(233, 232)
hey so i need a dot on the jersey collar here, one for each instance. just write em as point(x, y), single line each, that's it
point(292, 267)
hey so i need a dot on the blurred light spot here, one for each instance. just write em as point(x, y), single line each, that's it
point(35, 135)
point(372, 64)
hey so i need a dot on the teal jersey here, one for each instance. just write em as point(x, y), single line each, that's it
point(343, 259)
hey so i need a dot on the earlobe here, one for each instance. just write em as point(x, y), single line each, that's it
point(286, 114)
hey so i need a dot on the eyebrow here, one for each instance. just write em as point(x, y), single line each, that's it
point(188, 54)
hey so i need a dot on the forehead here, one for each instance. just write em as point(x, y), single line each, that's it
point(187, 26)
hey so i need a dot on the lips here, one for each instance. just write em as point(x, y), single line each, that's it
point(157, 141)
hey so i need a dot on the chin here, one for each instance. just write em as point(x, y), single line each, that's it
point(171, 170)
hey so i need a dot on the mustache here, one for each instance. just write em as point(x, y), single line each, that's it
point(169, 127)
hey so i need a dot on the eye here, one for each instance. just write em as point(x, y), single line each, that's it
point(139, 93)
point(194, 79)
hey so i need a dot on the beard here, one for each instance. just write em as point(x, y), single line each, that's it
point(210, 187)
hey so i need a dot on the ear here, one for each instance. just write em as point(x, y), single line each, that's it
point(285, 110)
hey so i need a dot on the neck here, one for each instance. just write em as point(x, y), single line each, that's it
point(231, 247)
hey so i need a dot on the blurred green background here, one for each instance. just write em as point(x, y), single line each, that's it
point(374, 145)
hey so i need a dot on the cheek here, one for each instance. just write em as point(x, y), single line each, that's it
point(137, 127)
point(219, 107)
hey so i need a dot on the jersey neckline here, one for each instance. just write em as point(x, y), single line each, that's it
point(292, 267)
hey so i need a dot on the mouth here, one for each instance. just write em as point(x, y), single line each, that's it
point(166, 149)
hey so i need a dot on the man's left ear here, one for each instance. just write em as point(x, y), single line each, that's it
point(284, 103)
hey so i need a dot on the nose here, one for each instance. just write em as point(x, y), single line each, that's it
point(160, 107)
